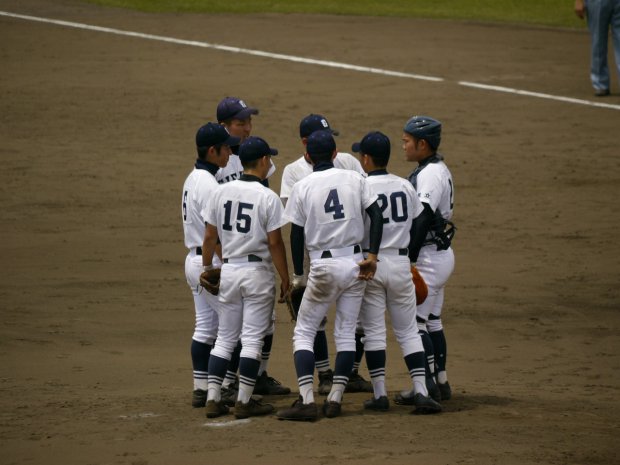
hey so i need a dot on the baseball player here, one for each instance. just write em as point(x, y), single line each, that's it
point(431, 249)
point(292, 173)
point(392, 285)
point(326, 209)
point(247, 218)
point(234, 114)
point(213, 145)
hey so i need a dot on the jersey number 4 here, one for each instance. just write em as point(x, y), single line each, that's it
point(333, 205)
point(244, 220)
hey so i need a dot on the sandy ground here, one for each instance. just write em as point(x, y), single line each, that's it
point(97, 137)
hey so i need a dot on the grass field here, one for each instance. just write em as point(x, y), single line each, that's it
point(543, 12)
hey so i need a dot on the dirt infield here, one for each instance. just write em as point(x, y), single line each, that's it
point(97, 137)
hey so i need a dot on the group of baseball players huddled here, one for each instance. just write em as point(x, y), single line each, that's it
point(358, 236)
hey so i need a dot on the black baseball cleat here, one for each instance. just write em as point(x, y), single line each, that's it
point(229, 395)
point(445, 390)
point(332, 409)
point(268, 386)
point(325, 382)
point(253, 408)
point(216, 409)
point(357, 384)
point(433, 389)
point(382, 404)
point(299, 412)
point(425, 405)
point(199, 398)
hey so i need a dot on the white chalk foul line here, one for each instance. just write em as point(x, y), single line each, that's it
point(310, 61)
point(225, 48)
point(559, 98)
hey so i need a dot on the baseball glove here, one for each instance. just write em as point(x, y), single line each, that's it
point(293, 301)
point(421, 289)
point(210, 280)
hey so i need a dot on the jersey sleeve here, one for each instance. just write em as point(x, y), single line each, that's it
point(293, 211)
point(429, 187)
point(416, 208)
point(209, 212)
point(275, 217)
point(367, 196)
point(287, 182)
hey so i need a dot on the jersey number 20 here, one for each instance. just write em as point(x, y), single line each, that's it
point(244, 220)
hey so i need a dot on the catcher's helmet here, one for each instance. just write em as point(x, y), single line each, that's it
point(425, 127)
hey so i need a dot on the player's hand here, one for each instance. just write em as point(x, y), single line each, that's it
point(368, 267)
point(580, 9)
point(299, 280)
point(285, 289)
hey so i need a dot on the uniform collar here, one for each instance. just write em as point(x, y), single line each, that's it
point(322, 166)
point(249, 178)
point(378, 172)
point(205, 165)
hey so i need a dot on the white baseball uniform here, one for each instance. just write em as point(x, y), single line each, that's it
point(392, 285)
point(330, 205)
point(199, 186)
point(435, 187)
point(244, 212)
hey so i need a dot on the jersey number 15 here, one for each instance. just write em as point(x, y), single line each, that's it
point(244, 220)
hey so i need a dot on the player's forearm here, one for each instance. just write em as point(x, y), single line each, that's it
point(419, 230)
point(208, 245)
point(376, 228)
point(278, 254)
point(297, 248)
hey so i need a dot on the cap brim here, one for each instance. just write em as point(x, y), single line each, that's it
point(356, 147)
point(245, 113)
point(232, 141)
point(334, 132)
point(273, 152)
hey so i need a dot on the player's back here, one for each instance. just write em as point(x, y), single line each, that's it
point(198, 187)
point(330, 205)
point(399, 206)
point(244, 212)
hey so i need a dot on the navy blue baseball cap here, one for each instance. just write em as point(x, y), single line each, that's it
point(320, 142)
point(375, 143)
point(214, 134)
point(254, 148)
point(313, 123)
point(234, 108)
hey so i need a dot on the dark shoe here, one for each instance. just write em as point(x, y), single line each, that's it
point(229, 395)
point(404, 398)
point(445, 390)
point(357, 383)
point(326, 379)
point(216, 409)
point(199, 398)
point(433, 389)
point(332, 409)
point(253, 408)
point(382, 404)
point(268, 386)
point(299, 412)
point(425, 405)
point(601, 92)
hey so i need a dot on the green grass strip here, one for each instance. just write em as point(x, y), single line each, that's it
point(541, 12)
